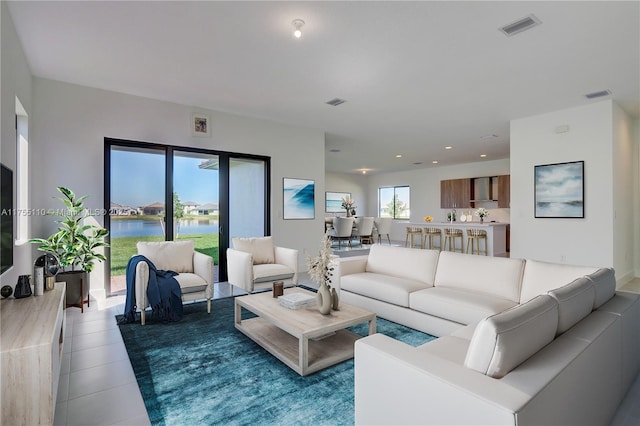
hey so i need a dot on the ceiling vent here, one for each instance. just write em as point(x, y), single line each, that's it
point(520, 25)
point(598, 94)
point(335, 102)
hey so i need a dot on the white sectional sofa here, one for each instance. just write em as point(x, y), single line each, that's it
point(520, 341)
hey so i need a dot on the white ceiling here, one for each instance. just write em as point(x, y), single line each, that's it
point(417, 76)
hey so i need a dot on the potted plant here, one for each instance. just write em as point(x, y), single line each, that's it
point(75, 245)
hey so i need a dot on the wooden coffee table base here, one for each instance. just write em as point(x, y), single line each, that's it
point(295, 336)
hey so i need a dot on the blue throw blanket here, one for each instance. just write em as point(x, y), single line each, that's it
point(163, 292)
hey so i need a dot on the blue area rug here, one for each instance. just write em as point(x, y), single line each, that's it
point(202, 371)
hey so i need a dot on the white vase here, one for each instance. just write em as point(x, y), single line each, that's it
point(323, 297)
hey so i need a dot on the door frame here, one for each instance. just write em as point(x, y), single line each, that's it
point(224, 158)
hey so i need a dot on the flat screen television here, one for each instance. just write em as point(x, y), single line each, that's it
point(6, 218)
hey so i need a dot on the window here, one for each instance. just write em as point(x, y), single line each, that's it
point(394, 201)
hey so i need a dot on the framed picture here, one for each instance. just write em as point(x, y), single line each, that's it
point(298, 197)
point(559, 190)
point(200, 125)
point(333, 201)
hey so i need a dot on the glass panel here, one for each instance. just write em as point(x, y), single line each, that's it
point(246, 198)
point(402, 204)
point(196, 202)
point(137, 205)
point(385, 199)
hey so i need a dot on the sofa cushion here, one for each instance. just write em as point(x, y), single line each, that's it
point(497, 276)
point(190, 283)
point(503, 341)
point(412, 264)
point(604, 283)
point(380, 287)
point(261, 248)
point(271, 272)
point(168, 255)
point(575, 301)
point(540, 277)
point(462, 306)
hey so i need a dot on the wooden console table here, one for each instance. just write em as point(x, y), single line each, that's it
point(32, 338)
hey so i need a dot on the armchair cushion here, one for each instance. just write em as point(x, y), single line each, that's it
point(271, 272)
point(261, 248)
point(169, 255)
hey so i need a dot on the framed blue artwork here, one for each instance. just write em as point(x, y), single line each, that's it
point(559, 190)
point(298, 197)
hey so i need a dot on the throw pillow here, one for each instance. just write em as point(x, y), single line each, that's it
point(261, 248)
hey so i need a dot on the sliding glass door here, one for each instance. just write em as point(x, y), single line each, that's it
point(159, 192)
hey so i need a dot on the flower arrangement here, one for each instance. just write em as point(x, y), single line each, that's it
point(348, 203)
point(428, 218)
point(481, 213)
point(320, 268)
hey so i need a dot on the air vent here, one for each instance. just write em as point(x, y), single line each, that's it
point(520, 25)
point(335, 102)
point(598, 94)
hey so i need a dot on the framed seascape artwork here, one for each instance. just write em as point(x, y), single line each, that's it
point(200, 125)
point(333, 201)
point(559, 190)
point(298, 197)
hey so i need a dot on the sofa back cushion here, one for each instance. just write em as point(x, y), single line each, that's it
point(413, 264)
point(497, 276)
point(503, 341)
point(541, 277)
point(604, 283)
point(575, 301)
point(261, 248)
point(168, 255)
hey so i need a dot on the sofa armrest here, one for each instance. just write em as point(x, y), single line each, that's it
point(240, 269)
point(288, 257)
point(427, 389)
point(203, 266)
point(346, 266)
point(140, 283)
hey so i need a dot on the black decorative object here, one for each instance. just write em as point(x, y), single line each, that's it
point(6, 291)
point(23, 287)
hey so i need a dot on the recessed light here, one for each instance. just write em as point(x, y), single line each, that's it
point(334, 150)
point(399, 156)
point(483, 155)
point(335, 102)
point(434, 162)
point(364, 172)
point(448, 147)
point(417, 163)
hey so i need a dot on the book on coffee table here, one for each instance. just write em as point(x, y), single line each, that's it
point(297, 300)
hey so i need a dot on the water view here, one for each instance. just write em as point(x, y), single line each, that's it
point(148, 227)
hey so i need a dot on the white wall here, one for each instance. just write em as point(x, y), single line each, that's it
point(596, 239)
point(15, 81)
point(425, 190)
point(72, 121)
point(353, 183)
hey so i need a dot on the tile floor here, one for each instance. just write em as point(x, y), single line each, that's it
point(98, 386)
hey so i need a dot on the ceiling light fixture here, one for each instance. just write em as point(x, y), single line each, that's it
point(364, 172)
point(448, 147)
point(483, 155)
point(297, 24)
point(399, 156)
point(434, 162)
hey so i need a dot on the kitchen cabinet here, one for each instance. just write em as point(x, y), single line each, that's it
point(504, 191)
point(455, 193)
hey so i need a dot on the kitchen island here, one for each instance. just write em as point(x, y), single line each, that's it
point(496, 234)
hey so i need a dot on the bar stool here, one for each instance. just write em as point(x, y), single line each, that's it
point(413, 231)
point(450, 235)
point(473, 238)
point(430, 233)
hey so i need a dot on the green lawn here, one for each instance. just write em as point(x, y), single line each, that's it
point(124, 247)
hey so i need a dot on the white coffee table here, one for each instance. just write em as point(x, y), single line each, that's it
point(303, 339)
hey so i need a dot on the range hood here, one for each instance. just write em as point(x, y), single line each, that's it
point(482, 189)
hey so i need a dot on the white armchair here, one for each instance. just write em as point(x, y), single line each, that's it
point(195, 271)
point(255, 263)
